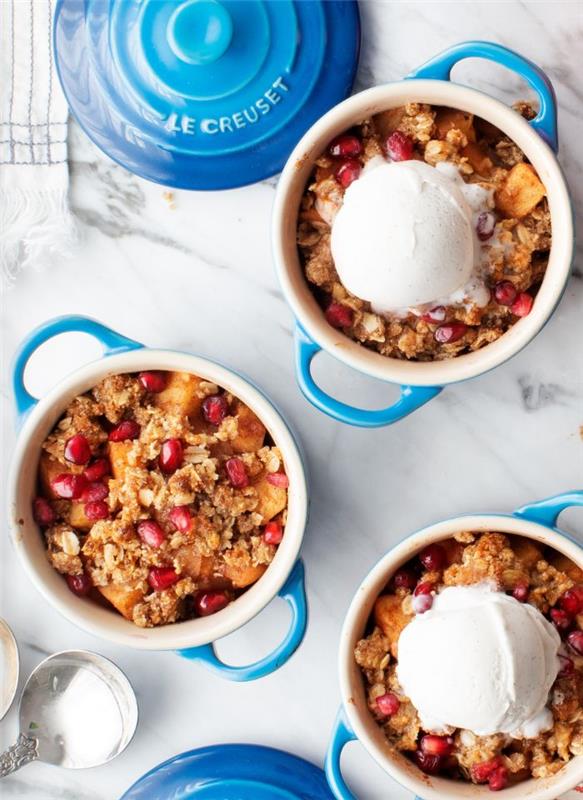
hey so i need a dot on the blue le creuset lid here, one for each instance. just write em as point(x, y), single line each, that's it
point(232, 772)
point(204, 94)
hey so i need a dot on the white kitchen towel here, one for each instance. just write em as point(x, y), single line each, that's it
point(35, 220)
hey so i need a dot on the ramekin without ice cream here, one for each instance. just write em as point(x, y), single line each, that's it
point(192, 638)
point(536, 521)
point(538, 139)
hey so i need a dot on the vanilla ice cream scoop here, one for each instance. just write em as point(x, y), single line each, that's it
point(403, 236)
point(480, 660)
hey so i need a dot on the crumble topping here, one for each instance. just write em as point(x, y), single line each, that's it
point(542, 576)
point(214, 509)
point(517, 250)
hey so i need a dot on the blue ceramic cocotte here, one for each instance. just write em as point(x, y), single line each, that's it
point(229, 771)
point(537, 521)
point(203, 94)
point(193, 639)
point(420, 382)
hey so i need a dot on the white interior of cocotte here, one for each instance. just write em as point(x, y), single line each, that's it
point(108, 623)
point(352, 685)
point(291, 187)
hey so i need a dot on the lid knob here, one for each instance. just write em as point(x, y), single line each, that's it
point(199, 31)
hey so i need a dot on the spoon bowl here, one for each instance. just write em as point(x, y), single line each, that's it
point(77, 710)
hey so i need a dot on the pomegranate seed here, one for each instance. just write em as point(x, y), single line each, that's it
point(181, 518)
point(498, 780)
point(522, 306)
point(77, 449)
point(278, 479)
point(208, 603)
point(128, 429)
point(215, 408)
point(237, 473)
point(433, 557)
point(561, 618)
point(405, 578)
point(97, 509)
point(348, 172)
point(68, 486)
point(79, 584)
point(575, 640)
point(452, 332)
point(481, 772)
point(95, 491)
point(43, 512)
point(345, 145)
point(450, 764)
point(99, 469)
point(273, 533)
point(505, 293)
point(437, 745)
point(435, 315)
point(151, 534)
point(171, 454)
point(388, 704)
point(430, 765)
point(520, 592)
point(400, 146)
point(339, 316)
point(485, 225)
point(422, 603)
point(161, 578)
point(567, 666)
point(572, 601)
point(154, 382)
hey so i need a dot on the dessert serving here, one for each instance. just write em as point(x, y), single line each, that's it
point(473, 659)
point(161, 495)
point(424, 232)
point(381, 260)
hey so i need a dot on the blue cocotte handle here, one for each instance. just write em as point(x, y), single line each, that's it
point(294, 593)
point(112, 343)
point(341, 735)
point(545, 123)
point(546, 512)
point(412, 397)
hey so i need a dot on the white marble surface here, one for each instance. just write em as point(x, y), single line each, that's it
point(200, 277)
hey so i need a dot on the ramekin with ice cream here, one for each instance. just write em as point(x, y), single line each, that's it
point(435, 227)
point(460, 657)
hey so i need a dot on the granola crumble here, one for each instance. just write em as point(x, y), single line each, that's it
point(510, 561)
point(207, 513)
point(518, 251)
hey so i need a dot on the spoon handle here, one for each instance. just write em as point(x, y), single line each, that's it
point(23, 752)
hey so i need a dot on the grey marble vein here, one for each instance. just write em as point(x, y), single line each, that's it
point(117, 226)
point(36, 790)
point(537, 395)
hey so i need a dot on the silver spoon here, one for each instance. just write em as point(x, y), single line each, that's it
point(77, 710)
point(9, 668)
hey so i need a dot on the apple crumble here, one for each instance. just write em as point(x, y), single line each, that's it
point(161, 495)
point(512, 232)
point(517, 567)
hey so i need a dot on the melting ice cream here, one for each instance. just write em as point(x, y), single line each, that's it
point(480, 660)
point(405, 236)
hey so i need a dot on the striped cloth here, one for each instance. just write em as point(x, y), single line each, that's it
point(35, 221)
